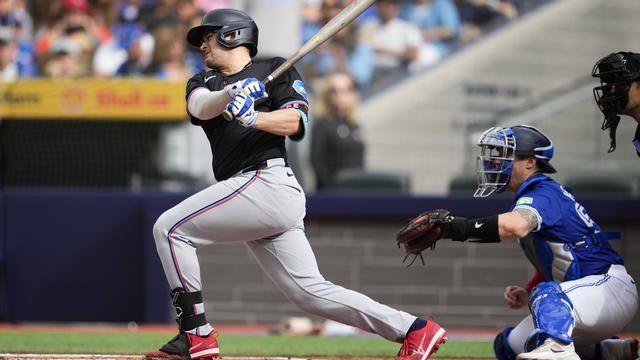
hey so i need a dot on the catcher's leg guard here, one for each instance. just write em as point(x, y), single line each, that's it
point(501, 346)
point(552, 314)
point(185, 308)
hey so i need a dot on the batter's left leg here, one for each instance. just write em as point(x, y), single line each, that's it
point(290, 263)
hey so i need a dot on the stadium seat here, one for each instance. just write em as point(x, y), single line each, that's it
point(603, 184)
point(371, 181)
point(463, 184)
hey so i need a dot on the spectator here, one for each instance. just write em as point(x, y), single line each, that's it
point(6, 15)
point(439, 23)
point(160, 13)
point(477, 15)
point(128, 53)
point(79, 27)
point(64, 60)
point(168, 60)
point(8, 67)
point(337, 142)
point(192, 55)
point(187, 11)
point(395, 42)
point(139, 56)
point(104, 12)
point(16, 24)
point(130, 44)
point(14, 12)
point(344, 52)
point(311, 18)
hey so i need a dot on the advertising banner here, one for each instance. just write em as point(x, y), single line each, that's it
point(93, 99)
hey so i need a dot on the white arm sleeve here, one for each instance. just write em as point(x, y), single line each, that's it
point(205, 104)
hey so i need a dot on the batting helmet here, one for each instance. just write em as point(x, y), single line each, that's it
point(499, 148)
point(225, 22)
point(616, 72)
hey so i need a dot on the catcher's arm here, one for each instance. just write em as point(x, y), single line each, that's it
point(426, 229)
point(517, 223)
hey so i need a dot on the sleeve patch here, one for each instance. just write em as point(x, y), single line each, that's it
point(294, 104)
point(524, 200)
point(299, 88)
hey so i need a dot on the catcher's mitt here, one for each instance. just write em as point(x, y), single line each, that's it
point(422, 232)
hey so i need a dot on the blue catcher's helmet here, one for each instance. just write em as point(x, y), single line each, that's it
point(499, 148)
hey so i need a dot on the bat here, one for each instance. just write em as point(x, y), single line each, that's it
point(340, 21)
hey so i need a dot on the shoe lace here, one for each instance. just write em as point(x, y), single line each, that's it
point(404, 350)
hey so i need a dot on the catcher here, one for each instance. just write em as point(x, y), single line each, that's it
point(577, 270)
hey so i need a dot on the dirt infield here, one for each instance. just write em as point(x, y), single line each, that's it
point(69, 357)
point(141, 357)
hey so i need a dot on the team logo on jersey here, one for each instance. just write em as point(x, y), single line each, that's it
point(524, 200)
point(299, 88)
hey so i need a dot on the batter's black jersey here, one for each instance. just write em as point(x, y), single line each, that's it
point(235, 147)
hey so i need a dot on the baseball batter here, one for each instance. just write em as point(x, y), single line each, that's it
point(257, 199)
point(581, 294)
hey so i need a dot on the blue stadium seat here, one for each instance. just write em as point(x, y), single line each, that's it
point(371, 181)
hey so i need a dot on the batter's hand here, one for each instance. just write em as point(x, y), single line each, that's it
point(250, 86)
point(241, 106)
point(516, 297)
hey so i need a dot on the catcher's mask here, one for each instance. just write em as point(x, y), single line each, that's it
point(616, 72)
point(226, 22)
point(499, 148)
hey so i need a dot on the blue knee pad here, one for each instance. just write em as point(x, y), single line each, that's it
point(552, 313)
point(501, 346)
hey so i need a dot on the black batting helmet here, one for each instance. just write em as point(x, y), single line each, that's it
point(225, 22)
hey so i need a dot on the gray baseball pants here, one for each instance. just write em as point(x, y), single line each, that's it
point(265, 210)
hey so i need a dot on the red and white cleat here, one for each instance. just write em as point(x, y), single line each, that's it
point(420, 344)
point(187, 346)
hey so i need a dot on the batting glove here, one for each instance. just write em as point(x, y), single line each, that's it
point(241, 106)
point(250, 86)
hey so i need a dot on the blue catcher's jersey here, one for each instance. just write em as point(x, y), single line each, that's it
point(568, 244)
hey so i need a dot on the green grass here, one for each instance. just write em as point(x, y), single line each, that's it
point(230, 345)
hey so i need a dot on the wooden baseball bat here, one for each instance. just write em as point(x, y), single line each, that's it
point(341, 20)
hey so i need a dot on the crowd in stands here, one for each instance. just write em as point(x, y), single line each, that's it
point(109, 38)
point(398, 37)
point(99, 38)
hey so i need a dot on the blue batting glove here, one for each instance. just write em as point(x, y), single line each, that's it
point(241, 106)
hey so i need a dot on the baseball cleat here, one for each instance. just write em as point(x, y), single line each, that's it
point(551, 349)
point(186, 346)
point(619, 349)
point(420, 344)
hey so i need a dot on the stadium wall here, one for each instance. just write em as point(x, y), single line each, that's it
point(89, 256)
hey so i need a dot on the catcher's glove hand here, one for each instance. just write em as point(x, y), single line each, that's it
point(422, 232)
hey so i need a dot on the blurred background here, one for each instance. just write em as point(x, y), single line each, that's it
point(94, 146)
